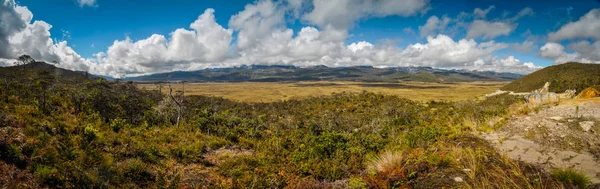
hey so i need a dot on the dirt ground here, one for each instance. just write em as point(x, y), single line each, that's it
point(562, 136)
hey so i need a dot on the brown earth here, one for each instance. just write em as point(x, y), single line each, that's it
point(555, 137)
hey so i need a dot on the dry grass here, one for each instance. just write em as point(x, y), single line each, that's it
point(388, 160)
point(274, 91)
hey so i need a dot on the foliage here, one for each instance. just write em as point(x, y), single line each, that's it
point(93, 133)
point(571, 177)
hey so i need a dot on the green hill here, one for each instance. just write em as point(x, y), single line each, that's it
point(562, 77)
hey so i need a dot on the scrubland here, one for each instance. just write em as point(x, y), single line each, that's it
point(93, 133)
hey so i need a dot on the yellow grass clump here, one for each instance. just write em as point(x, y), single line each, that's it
point(589, 93)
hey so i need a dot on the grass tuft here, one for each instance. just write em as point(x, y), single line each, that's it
point(571, 177)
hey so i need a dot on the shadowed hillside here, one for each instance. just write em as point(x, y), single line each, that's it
point(28, 70)
point(562, 77)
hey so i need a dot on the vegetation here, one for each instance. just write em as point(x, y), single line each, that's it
point(571, 177)
point(89, 133)
point(562, 77)
point(277, 91)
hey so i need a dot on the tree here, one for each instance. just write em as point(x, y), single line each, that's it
point(44, 80)
point(23, 60)
point(178, 99)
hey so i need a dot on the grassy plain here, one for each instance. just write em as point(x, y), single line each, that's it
point(274, 91)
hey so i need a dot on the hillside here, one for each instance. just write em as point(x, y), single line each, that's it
point(277, 73)
point(562, 77)
point(28, 70)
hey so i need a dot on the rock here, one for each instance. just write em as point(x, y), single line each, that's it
point(556, 118)
point(458, 179)
point(586, 125)
point(467, 170)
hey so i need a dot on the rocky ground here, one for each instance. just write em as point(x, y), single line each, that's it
point(566, 135)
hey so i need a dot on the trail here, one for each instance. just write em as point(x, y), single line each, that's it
point(557, 137)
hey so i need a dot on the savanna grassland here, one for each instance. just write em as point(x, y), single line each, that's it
point(277, 91)
point(59, 132)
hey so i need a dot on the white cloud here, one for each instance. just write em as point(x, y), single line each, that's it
point(552, 50)
point(476, 24)
point(263, 38)
point(434, 25)
point(89, 3)
point(207, 42)
point(588, 26)
point(362, 45)
point(340, 15)
point(257, 22)
point(19, 36)
point(584, 52)
point(489, 30)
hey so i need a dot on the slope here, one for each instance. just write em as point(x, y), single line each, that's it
point(570, 75)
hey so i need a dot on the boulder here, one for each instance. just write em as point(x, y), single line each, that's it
point(536, 99)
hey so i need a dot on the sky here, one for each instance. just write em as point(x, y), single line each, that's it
point(136, 37)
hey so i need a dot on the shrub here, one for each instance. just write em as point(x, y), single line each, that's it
point(117, 124)
point(11, 154)
point(90, 133)
point(571, 177)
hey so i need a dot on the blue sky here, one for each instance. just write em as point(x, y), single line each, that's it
point(91, 29)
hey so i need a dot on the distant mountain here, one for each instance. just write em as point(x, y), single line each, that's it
point(570, 75)
point(283, 73)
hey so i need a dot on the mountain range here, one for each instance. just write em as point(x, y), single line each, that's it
point(284, 73)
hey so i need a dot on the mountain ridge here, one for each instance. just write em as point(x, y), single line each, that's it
point(287, 73)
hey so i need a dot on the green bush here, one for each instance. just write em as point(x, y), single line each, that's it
point(90, 133)
point(571, 177)
point(117, 124)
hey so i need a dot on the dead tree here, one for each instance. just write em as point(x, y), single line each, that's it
point(179, 102)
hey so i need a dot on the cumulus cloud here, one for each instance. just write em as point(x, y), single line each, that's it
point(587, 27)
point(257, 22)
point(207, 42)
point(584, 29)
point(19, 36)
point(262, 37)
point(583, 52)
point(11, 22)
